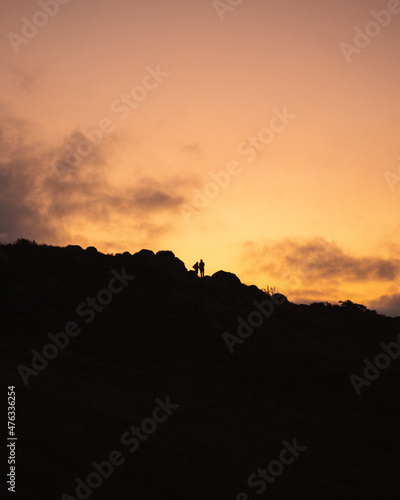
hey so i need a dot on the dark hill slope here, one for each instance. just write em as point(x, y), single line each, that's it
point(162, 335)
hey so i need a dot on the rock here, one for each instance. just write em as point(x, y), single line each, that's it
point(92, 250)
point(229, 279)
point(74, 249)
point(280, 298)
point(165, 254)
point(143, 261)
point(163, 263)
point(169, 265)
point(143, 255)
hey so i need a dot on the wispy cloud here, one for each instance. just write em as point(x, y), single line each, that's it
point(321, 260)
point(22, 79)
point(192, 149)
point(310, 270)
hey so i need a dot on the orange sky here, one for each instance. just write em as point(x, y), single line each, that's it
point(306, 127)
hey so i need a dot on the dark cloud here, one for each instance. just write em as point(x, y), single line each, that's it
point(16, 139)
point(44, 191)
point(152, 198)
point(21, 209)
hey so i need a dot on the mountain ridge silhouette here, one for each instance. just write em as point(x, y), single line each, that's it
point(162, 334)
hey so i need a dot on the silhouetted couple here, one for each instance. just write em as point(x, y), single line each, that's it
point(199, 265)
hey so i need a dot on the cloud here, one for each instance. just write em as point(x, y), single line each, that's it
point(192, 149)
point(21, 211)
point(320, 260)
point(318, 270)
point(22, 79)
point(387, 304)
point(152, 195)
point(37, 203)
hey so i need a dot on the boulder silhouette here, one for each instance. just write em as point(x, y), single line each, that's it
point(92, 250)
point(227, 278)
point(170, 265)
point(75, 249)
point(164, 264)
point(280, 297)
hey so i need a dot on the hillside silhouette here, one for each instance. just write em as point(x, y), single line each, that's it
point(157, 330)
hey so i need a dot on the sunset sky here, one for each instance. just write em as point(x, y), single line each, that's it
point(286, 104)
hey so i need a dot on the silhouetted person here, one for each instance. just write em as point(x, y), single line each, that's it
point(201, 267)
point(196, 268)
